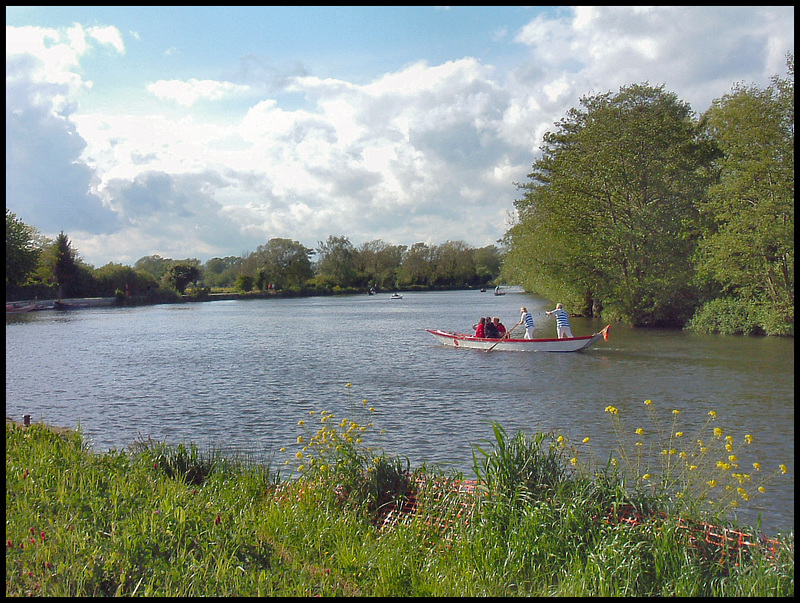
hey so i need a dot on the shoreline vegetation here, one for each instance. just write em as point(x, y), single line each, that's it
point(339, 518)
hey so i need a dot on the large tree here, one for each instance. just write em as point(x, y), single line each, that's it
point(284, 263)
point(608, 217)
point(336, 261)
point(749, 246)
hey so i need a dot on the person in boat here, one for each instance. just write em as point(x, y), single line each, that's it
point(526, 319)
point(490, 329)
point(501, 328)
point(480, 330)
point(562, 321)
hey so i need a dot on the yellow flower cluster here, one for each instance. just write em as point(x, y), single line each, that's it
point(687, 468)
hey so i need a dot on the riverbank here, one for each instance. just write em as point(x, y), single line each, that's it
point(175, 521)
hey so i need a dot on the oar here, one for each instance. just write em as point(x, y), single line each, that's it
point(506, 334)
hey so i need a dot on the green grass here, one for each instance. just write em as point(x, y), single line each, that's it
point(157, 520)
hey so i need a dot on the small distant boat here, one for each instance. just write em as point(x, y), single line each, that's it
point(396, 296)
point(18, 309)
point(483, 289)
point(470, 342)
point(498, 292)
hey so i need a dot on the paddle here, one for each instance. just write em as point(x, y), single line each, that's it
point(506, 334)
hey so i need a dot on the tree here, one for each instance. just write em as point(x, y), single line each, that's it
point(417, 265)
point(65, 269)
point(607, 218)
point(182, 273)
point(453, 265)
point(487, 261)
point(113, 277)
point(336, 260)
point(22, 250)
point(748, 247)
point(284, 263)
point(377, 263)
point(221, 272)
point(154, 265)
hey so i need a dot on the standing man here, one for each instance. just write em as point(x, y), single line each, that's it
point(562, 321)
point(527, 320)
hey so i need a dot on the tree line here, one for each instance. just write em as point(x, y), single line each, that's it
point(38, 266)
point(640, 211)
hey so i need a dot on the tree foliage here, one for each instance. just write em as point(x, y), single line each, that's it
point(22, 250)
point(181, 273)
point(336, 261)
point(608, 216)
point(748, 246)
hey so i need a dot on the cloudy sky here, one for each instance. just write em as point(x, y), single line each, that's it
point(207, 131)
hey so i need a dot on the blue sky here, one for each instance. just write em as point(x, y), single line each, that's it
point(206, 131)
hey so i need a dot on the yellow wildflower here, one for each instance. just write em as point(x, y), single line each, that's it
point(718, 432)
point(347, 384)
point(586, 441)
point(299, 439)
point(676, 412)
point(301, 422)
point(299, 454)
point(639, 431)
point(574, 461)
point(732, 458)
point(612, 410)
point(646, 476)
point(678, 434)
point(783, 468)
point(762, 489)
point(757, 466)
point(748, 438)
point(712, 483)
point(648, 402)
point(712, 414)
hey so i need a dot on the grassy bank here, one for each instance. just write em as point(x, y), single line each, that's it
point(346, 520)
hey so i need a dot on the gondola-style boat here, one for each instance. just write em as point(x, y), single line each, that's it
point(506, 344)
point(14, 309)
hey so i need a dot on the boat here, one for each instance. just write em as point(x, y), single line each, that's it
point(58, 305)
point(15, 309)
point(498, 292)
point(470, 342)
point(396, 296)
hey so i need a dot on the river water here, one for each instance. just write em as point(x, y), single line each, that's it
point(240, 375)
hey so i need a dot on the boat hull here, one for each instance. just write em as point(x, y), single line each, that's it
point(470, 342)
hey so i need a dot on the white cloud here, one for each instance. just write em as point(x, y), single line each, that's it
point(187, 93)
point(108, 35)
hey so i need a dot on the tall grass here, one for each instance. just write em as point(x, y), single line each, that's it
point(177, 521)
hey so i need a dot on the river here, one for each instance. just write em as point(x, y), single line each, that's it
point(241, 374)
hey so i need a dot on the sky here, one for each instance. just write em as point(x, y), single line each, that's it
point(200, 132)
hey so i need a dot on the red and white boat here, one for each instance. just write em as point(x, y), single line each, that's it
point(14, 308)
point(470, 342)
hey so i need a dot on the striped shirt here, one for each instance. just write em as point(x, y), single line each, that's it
point(562, 318)
point(528, 320)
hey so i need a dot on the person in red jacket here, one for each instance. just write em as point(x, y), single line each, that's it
point(479, 332)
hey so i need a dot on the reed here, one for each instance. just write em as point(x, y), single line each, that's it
point(178, 521)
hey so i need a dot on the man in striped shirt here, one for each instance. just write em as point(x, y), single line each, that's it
point(562, 321)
